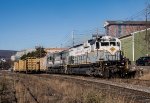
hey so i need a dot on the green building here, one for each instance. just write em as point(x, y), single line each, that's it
point(136, 44)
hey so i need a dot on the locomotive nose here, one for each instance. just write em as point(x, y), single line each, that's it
point(112, 50)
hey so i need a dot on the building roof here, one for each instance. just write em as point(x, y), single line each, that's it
point(77, 46)
point(54, 49)
point(122, 37)
point(107, 23)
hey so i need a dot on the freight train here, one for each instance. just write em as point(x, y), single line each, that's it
point(101, 56)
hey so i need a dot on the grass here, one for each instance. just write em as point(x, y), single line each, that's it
point(6, 90)
point(56, 90)
point(145, 77)
point(72, 92)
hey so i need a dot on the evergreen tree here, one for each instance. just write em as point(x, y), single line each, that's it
point(39, 53)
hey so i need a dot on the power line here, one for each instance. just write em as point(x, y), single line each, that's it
point(138, 14)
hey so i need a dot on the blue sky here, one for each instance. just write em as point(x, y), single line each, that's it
point(28, 23)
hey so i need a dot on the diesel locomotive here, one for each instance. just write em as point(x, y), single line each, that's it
point(100, 56)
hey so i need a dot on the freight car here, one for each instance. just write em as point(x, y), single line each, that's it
point(101, 56)
point(30, 65)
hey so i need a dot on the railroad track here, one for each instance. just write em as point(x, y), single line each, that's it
point(137, 93)
point(29, 91)
point(25, 88)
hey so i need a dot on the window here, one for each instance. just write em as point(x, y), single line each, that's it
point(118, 44)
point(50, 58)
point(112, 43)
point(119, 30)
point(107, 30)
point(92, 48)
point(104, 43)
point(61, 56)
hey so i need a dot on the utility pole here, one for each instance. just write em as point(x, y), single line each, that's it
point(61, 45)
point(146, 30)
point(72, 38)
point(97, 32)
point(40, 59)
point(147, 36)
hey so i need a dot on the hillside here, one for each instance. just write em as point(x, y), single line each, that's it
point(6, 54)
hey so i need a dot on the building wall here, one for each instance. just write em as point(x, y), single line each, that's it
point(111, 30)
point(122, 30)
point(127, 47)
point(141, 45)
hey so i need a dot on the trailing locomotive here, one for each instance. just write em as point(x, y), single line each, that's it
point(101, 56)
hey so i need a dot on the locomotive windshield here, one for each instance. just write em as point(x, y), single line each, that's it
point(112, 43)
point(104, 43)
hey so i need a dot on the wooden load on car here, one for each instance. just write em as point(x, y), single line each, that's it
point(30, 64)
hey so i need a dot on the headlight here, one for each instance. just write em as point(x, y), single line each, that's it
point(122, 63)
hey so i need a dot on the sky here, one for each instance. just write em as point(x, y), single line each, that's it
point(49, 23)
